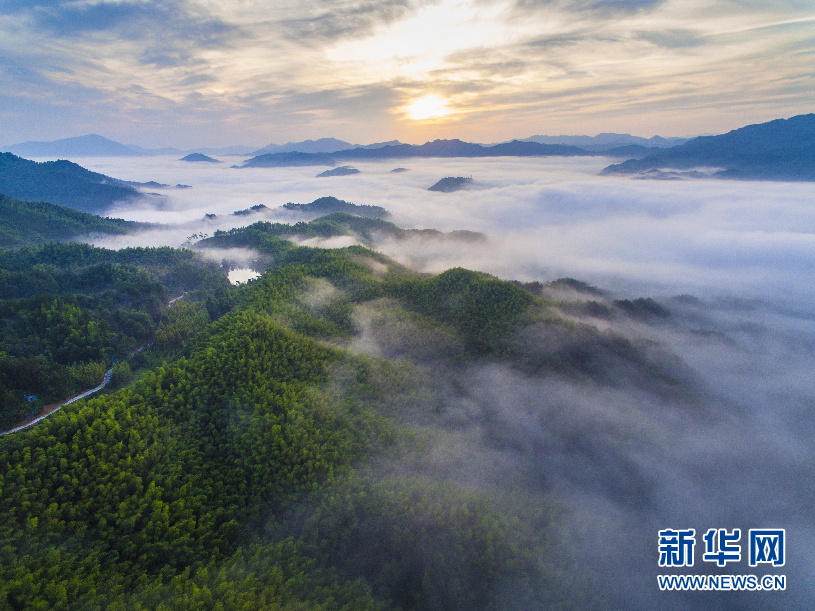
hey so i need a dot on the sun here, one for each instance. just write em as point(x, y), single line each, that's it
point(428, 107)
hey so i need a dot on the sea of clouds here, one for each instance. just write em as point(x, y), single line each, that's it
point(545, 218)
point(626, 460)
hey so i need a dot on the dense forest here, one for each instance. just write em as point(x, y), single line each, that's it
point(269, 448)
point(270, 238)
point(68, 312)
point(27, 223)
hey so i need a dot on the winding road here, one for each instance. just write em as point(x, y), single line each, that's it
point(104, 383)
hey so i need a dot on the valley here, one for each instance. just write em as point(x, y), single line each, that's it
point(425, 400)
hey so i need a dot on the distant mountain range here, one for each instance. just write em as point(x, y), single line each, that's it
point(437, 148)
point(94, 145)
point(322, 145)
point(605, 142)
point(457, 148)
point(777, 150)
point(783, 149)
point(82, 146)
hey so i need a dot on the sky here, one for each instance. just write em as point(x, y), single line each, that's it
point(193, 73)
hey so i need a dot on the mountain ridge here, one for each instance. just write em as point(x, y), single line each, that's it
point(783, 149)
point(61, 182)
point(94, 145)
point(436, 148)
point(605, 141)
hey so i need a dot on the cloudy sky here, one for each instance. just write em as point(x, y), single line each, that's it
point(192, 73)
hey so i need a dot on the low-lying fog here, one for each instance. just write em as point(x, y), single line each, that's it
point(545, 217)
point(743, 459)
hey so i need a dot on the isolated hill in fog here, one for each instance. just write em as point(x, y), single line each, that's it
point(198, 157)
point(343, 170)
point(61, 182)
point(287, 160)
point(783, 149)
point(329, 205)
point(451, 183)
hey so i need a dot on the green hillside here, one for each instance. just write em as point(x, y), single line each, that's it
point(70, 311)
point(270, 238)
point(257, 456)
point(30, 223)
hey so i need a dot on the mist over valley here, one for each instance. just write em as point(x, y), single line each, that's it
point(429, 305)
point(647, 368)
point(546, 218)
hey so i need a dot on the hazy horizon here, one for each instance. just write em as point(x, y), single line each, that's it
point(331, 136)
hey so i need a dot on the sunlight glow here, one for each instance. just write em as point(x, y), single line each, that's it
point(427, 107)
point(429, 39)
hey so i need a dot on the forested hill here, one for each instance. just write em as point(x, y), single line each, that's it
point(300, 442)
point(61, 182)
point(783, 149)
point(30, 223)
point(68, 312)
point(265, 237)
point(327, 205)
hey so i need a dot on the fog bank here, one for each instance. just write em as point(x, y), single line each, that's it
point(733, 449)
point(545, 217)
